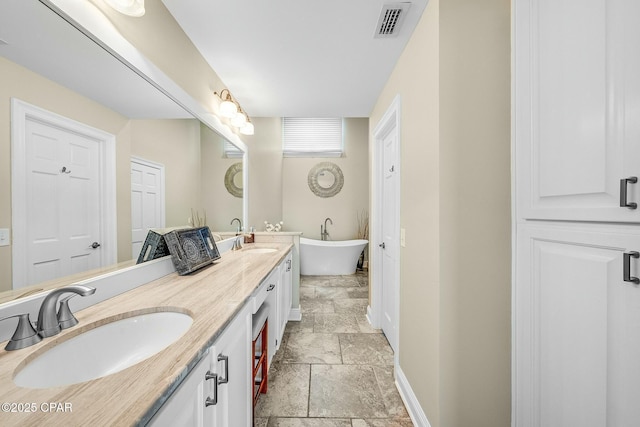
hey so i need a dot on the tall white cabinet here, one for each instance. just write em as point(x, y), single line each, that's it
point(576, 127)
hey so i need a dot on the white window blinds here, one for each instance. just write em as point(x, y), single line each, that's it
point(312, 137)
point(231, 151)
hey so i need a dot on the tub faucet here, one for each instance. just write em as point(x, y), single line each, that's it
point(239, 225)
point(324, 234)
point(48, 324)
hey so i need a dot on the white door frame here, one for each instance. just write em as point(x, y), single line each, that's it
point(390, 122)
point(20, 113)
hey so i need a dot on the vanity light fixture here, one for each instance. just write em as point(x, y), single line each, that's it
point(128, 7)
point(231, 109)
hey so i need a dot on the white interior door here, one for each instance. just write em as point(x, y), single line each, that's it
point(63, 202)
point(63, 196)
point(390, 245)
point(147, 200)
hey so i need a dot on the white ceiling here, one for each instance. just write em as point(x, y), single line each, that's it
point(304, 58)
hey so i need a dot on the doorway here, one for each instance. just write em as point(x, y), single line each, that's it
point(385, 291)
point(63, 196)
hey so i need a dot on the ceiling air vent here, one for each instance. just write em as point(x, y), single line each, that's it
point(390, 20)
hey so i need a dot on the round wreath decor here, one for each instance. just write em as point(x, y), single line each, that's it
point(325, 167)
point(229, 182)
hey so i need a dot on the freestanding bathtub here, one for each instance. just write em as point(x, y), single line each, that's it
point(327, 257)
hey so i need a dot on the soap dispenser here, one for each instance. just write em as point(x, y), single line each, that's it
point(250, 238)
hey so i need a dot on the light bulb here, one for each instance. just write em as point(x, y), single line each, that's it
point(239, 119)
point(128, 7)
point(247, 129)
point(228, 109)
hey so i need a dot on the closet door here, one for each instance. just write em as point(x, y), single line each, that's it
point(577, 108)
point(576, 323)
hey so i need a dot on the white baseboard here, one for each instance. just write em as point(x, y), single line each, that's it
point(418, 417)
point(295, 314)
point(370, 318)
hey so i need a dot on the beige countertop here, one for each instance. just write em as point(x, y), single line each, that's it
point(211, 296)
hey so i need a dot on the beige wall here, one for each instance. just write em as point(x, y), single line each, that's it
point(453, 79)
point(278, 188)
point(304, 211)
point(265, 172)
point(220, 205)
point(176, 145)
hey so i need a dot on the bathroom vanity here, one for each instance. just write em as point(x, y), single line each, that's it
point(203, 378)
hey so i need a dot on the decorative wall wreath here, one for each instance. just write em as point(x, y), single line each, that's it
point(325, 179)
point(233, 180)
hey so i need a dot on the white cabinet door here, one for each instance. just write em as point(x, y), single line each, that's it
point(232, 362)
point(284, 296)
point(186, 406)
point(576, 117)
point(576, 327)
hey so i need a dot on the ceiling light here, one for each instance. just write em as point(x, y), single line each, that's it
point(128, 7)
point(247, 129)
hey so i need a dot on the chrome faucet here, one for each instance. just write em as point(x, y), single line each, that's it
point(48, 324)
point(239, 225)
point(237, 244)
point(324, 234)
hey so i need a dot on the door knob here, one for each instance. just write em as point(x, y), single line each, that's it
point(382, 245)
point(95, 245)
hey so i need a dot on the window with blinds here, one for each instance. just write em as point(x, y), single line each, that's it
point(312, 137)
point(231, 151)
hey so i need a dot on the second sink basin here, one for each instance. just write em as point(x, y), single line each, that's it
point(104, 350)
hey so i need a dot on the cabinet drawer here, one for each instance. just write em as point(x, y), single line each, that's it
point(268, 285)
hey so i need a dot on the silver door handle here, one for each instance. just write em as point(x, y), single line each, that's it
point(626, 267)
point(225, 359)
point(623, 192)
point(209, 401)
point(95, 245)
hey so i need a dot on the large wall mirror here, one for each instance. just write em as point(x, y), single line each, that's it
point(48, 64)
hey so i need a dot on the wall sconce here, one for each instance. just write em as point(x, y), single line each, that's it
point(231, 109)
point(128, 7)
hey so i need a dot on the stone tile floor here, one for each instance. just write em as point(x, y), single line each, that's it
point(333, 369)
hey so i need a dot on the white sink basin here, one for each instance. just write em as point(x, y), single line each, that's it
point(261, 250)
point(104, 350)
